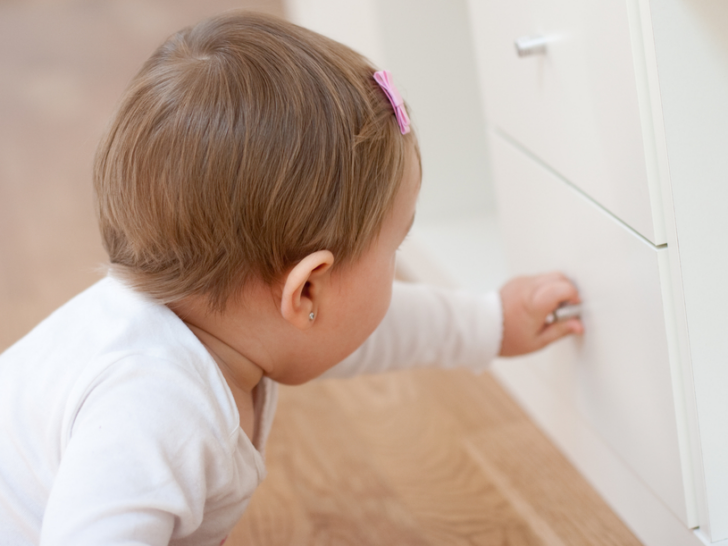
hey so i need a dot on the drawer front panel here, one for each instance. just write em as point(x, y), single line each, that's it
point(575, 106)
point(617, 376)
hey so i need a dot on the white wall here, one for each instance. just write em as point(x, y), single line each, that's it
point(351, 22)
point(426, 44)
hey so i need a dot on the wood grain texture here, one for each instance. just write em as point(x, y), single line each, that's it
point(427, 457)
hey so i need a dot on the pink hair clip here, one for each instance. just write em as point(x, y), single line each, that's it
point(384, 79)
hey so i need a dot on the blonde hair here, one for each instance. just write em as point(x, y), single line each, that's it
point(244, 144)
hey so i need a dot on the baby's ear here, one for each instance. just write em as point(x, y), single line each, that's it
point(302, 289)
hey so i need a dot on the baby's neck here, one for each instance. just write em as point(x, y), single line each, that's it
point(243, 373)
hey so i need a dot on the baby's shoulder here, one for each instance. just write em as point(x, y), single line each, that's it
point(111, 347)
point(155, 398)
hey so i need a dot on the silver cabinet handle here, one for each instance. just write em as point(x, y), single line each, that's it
point(530, 45)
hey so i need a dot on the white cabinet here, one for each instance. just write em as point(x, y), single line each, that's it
point(610, 163)
point(574, 103)
point(617, 377)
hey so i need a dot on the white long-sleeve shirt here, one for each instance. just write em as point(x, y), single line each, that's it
point(119, 429)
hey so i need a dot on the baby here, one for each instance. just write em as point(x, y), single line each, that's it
point(252, 191)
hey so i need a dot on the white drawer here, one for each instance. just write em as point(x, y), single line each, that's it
point(575, 107)
point(616, 377)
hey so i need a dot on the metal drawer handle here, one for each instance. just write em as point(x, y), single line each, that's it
point(531, 45)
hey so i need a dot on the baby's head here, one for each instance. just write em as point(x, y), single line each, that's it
point(243, 145)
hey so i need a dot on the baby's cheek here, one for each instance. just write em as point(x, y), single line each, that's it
point(386, 300)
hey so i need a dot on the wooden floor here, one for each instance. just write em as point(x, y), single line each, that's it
point(418, 458)
point(408, 458)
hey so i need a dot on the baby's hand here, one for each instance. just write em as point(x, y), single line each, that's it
point(527, 301)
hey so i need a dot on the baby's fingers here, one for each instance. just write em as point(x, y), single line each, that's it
point(557, 330)
point(553, 294)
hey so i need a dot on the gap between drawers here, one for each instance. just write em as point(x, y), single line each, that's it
point(575, 188)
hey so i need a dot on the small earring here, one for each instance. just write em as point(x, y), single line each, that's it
point(312, 316)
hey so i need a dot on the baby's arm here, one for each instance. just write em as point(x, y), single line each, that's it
point(432, 327)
